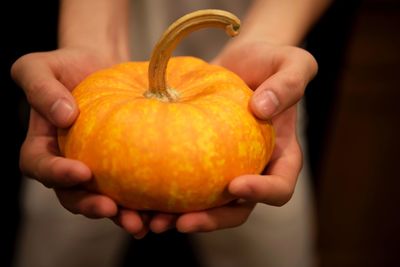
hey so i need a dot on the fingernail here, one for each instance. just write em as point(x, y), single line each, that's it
point(61, 112)
point(266, 104)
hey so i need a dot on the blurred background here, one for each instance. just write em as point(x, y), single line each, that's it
point(358, 183)
point(353, 127)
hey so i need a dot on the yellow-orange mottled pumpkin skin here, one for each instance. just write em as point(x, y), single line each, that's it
point(148, 154)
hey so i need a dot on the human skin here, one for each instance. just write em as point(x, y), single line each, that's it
point(88, 41)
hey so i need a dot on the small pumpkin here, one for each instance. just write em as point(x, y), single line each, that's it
point(168, 148)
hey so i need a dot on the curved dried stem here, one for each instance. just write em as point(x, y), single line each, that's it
point(170, 39)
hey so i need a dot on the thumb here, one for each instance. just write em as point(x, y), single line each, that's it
point(285, 88)
point(33, 73)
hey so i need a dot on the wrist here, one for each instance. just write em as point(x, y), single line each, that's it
point(283, 22)
point(99, 26)
point(111, 52)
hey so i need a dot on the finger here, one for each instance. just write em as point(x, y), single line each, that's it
point(146, 217)
point(286, 86)
point(277, 187)
point(52, 171)
point(227, 216)
point(133, 222)
point(163, 222)
point(37, 75)
point(273, 190)
point(79, 201)
point(39, 157)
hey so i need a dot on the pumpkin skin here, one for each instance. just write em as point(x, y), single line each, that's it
point(148, 154)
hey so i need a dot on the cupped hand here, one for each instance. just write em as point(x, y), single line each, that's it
point(47, 79)
point(279, 76)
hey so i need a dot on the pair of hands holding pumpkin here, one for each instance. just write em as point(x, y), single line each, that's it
point(278, 73)
point(279, 76)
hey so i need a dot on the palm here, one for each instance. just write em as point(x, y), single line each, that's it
point(264, 61)
point(42, 76)
point(257, 64)
point(63, 68)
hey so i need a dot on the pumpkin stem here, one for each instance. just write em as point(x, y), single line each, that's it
point(172, 36)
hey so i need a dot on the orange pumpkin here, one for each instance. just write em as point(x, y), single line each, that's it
point(170, 149)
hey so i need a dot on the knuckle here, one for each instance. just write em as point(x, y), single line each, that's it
point(19, 65)
point(36, 89)
point(22, 69)
point(65, 202)
point(90, 210)
point(68, 207)
point(15, 69)
point(241, 221)
point(312, 62)
point(39, 85)
point(307, 57)
point(286, 196)
point(211, 226)
point(295, 83)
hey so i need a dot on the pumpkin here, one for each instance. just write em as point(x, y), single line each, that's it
point(170, 148)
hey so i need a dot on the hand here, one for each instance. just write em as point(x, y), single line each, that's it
point(279, 75)
point(47, 79)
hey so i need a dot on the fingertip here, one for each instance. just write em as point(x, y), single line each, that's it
point(251, 187)
point(104, 207)
point(240, 187)
point(70, 172)
point(131, 222)
point(186, 225)
point(81, 171)
point(196, 222)
point(227, 216)
point(162, 223)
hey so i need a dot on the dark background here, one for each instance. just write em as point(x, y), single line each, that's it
point(25, 26)
point(358, 188)
point(353, 130)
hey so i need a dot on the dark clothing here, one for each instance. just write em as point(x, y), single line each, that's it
point(26, 26)
point(327, 42)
